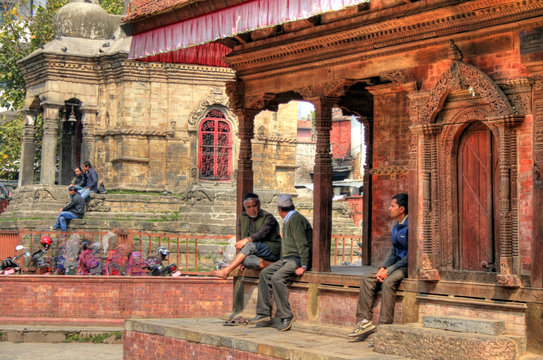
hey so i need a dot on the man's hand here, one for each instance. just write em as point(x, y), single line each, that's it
point(381, 274)
point(60, 210)
point(241, 243)
point(299, 271)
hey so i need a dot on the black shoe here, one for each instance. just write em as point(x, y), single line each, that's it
point(286, 324)
point(260, 319)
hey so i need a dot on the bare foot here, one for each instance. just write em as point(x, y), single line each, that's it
point(264, 263)
point(220, 274)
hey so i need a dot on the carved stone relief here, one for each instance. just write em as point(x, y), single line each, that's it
point(214, 99)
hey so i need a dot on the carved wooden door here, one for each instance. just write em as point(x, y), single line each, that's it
point(477, 159)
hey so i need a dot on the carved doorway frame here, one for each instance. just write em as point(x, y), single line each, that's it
point(462, 95)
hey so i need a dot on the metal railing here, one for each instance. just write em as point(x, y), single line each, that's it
point(184, 249)
point(346, 247)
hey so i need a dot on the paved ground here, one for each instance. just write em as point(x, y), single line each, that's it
point(70, 351)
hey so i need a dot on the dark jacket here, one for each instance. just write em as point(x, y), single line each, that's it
point(297, 239)
point(80, 181)
point(76, 206)
point(397, 256)
point(264, 228)
point(92, 180)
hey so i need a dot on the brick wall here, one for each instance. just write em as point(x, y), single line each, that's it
point(355, 203)
point(105, 299)
point(142, 346)
point(332, 307)
point(390, 151)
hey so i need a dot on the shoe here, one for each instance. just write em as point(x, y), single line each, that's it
point(361, 328)
point(260, 319)
point(286, 324)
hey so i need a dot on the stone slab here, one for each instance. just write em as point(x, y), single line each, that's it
point(414, 341)
point(463, 324)
point(47, 333)
point(259, 341)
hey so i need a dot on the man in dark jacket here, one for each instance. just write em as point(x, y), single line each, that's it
point(260, 242)
point(295, 260)
point(389, 276)
point(74, 210)
point(80, 182)
point(92, 177)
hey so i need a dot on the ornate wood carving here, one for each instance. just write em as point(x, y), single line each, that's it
point(322, 199)
point(396, 76)
point(464, 76)
point(439, 184)
point(410, 23)
point(537, 175)
point(259, 102)
point(333, 89)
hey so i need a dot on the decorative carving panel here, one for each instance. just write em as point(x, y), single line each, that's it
point(441, 127)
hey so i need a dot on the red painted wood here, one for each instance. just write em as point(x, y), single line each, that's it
point(215, 150)
point(476, 198)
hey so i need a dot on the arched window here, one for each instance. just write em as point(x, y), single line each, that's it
point(215, 152)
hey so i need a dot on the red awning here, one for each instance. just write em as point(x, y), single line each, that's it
point(182, 42)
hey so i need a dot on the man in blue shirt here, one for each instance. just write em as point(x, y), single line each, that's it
point(389, 276)
point(92, 177)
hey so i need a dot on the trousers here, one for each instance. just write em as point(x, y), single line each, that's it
point(369, 287)
point(273, 283)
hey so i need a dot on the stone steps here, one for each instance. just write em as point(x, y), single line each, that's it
point(467, 339)
point(207, 334)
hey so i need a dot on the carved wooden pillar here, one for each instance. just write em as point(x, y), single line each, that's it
point(28, 148)
point(537, 171)
point(367, 201)
point(412, 245)
point(509, 254)
point(322, 195)
point(428, 264)
point(49, 144)
point(88, 121)
point(236, 93)
point(245, 160)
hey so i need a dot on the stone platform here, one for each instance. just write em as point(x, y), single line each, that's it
point(207, 338)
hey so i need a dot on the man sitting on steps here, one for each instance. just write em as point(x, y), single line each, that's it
point(260, 243)
point(389, 276)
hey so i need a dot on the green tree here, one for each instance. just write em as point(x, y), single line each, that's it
point(10, 148)
point(114, 7)
point(19, 37)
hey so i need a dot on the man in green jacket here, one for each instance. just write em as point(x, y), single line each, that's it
point(295, 260)
point(260, 241)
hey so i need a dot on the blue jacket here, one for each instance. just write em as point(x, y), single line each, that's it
point(397, 257)
point(92, 180)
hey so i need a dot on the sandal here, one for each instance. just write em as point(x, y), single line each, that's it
point(237, 321)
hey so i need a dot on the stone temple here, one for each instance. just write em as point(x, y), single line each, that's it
point(145, 127)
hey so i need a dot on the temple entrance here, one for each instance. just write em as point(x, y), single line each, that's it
point(477, 200)
point(70, 140)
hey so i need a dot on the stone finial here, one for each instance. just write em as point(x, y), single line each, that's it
point(454, 51)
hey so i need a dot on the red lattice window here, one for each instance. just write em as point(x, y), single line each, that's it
point(215, 155)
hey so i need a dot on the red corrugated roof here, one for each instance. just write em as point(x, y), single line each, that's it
point(143, 8)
